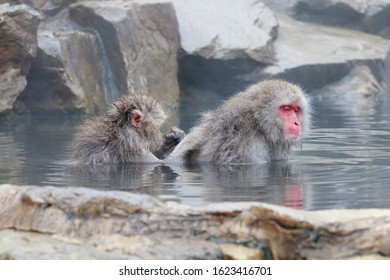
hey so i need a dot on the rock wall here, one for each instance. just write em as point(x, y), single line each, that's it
point(227, 30)
point(314, 55)
point(141, 42)
point(371, 16)
point(18, 46)
point(311, 55)
point(88, 53)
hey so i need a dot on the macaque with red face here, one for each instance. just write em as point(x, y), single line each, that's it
point(129, 132)
point(259, 124)
point(290, 113)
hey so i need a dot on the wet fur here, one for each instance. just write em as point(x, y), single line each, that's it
point(246, 128)
point(111, 138)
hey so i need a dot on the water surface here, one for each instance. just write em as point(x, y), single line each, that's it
point(344, 164)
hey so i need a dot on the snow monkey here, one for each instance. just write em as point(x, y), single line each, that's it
point(259, 124)
point(129, 132)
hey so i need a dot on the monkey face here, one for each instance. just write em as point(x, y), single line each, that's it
point(282, 111)
point(290, 114)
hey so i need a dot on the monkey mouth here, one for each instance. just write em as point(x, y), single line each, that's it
point(293, 136)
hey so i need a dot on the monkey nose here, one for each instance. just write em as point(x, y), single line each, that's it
point(297, 123)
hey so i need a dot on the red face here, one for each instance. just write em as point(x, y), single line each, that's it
point(290, 115)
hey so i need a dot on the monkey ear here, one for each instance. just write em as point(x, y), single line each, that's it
point(136, 119)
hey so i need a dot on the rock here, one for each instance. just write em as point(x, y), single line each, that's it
point(140, 40)
point(47, 7)
point(359, 82)
point(285, 7)
point(369, 257)
point(66, 76)
point(39, 246)
point(368, 15)
point(385, 73)
point(360, 6)
point(16, 245)
point(227, 29)
point(359, 88)
point(116, 48)
point(221, 40)
point(328, 54)
point(18, 46)
point(372, 16)
point(97, 224)
point(235, 252)
point(142, 247)
point(331, 12)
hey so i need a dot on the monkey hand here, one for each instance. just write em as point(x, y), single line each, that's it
point(170, 141)
point(174, 137)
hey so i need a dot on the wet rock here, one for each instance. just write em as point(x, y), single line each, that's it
point(109, 223)
point(330, 12)
point(66, 76)
point(314, 56)
point(140, 40)
point(91, 55)
point(360, 82)
point(359, 88)
point(18, 46)
point(370, 16)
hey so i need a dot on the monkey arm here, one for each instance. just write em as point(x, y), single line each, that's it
point(146, 158)
point(190, 146)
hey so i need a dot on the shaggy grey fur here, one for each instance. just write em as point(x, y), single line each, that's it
point(111, 138)
point(246, 128)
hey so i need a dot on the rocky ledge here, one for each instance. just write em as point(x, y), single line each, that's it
point(78, 56)
point(81, 223)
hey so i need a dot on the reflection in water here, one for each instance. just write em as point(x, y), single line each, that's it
point(140, 178)
point(345, 163)
point(278, 183)
point(266, 182)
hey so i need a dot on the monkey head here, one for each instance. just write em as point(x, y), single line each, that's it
point(141, 115)
point(138, 112)
point(282, 111)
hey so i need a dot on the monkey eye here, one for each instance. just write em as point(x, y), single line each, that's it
point(290, 107)
point(286, 107)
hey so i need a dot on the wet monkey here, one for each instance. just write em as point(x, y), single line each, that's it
point(259, 124)
point(129, 132)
